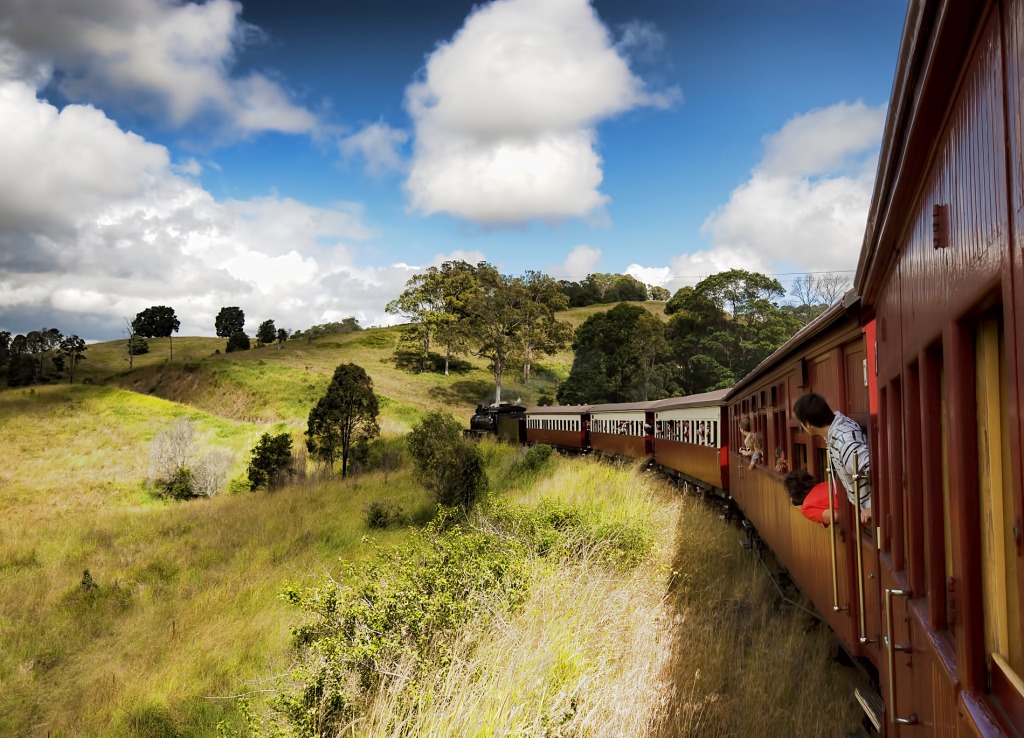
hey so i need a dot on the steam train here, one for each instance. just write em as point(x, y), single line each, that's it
point(926, 352)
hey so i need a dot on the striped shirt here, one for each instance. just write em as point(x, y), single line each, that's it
point(847, 439)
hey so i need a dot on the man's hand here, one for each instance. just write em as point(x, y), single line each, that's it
point(865, 515)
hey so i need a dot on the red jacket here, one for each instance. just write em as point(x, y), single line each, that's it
point(816, 503)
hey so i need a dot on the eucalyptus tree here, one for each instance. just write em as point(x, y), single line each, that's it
point(72, 348)
point(541, 332)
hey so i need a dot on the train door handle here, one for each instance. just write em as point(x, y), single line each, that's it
point(891, 649)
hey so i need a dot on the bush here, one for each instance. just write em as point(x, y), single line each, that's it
point(176, 470)
point(535, 458)
point(409, 603)
point(138, 346)
point(271, 461)
point(382, 514)
point(446, 465)
point(238, 342)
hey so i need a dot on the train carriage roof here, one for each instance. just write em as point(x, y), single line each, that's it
point(558, 410)
point(840, 309)
point(714, 398)
point(613, 407)
point(937, 37)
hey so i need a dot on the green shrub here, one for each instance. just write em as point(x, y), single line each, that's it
point(449, 467)
point(382, 514)
point(535, 458)
point(405, 606)
point(271, 461)
point(238, 342)
point(178, 486)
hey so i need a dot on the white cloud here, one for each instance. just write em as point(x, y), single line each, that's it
point(379, 144)
point(658, 276)
point(804, 207)
point(97, 224)
point(505, 113)
point(580, 262)
point(163, 57)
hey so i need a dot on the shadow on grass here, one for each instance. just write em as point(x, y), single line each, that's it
point(410, 361)
point(466, 391)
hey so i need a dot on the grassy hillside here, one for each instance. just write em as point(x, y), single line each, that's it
point(180, 613)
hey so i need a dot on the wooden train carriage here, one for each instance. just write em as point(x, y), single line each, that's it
point(942, 269)
point(827, 356)
point(623, 429)
point(691, 438)
point(565, 426)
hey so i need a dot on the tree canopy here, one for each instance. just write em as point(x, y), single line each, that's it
point(725, 326)
point(158, 321)
point(229, 321)
point(345, 415)
point(266, 334)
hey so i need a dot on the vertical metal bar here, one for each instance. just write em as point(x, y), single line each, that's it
point(862, 624)
point(891, 649)
point(832, 532)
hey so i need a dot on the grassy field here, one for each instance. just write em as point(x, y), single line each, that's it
point(181, 611)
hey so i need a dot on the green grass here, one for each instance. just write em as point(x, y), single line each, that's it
point(186, 613)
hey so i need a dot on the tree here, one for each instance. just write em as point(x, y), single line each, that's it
point(229, 321)
point(282, 336)
point(456, 284)
point(238, 342)
point(135, 345)
point(345, 415)
point(270, 462)
point(448, 466)
point(266, 333)
point(541, 332)
point(657, 292)
point(725, 326)
point(421, 303)
point(72, 348)
point(621, 355)
point(814, 293)
point(5, 348)
point(498, 313)
point(157, 322)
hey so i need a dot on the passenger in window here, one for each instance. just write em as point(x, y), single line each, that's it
point(745, 432)
point(781, 465)
point(810, 496)
point(846, 440)
point(756, 443)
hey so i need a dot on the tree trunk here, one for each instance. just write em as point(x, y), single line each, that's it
point(527, 364)
point(447, 358)
point(497, 381)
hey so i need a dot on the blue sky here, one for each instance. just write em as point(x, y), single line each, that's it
point(303, 160)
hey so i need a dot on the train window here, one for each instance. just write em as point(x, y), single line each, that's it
point(799, 456)
point(820, 463)
point(998, 547)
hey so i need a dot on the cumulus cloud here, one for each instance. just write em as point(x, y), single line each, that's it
point(580, 262)
point(379, 144)
point(97, 224)
point(804, 207)
point(161, 57)
point(505, 113)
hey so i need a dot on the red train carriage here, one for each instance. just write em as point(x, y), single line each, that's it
point(691, 439)
point(623, 429)
point(565, 426)
point(942, 269)
point(828, 357)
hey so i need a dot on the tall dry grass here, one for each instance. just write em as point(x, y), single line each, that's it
point(693, 642)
